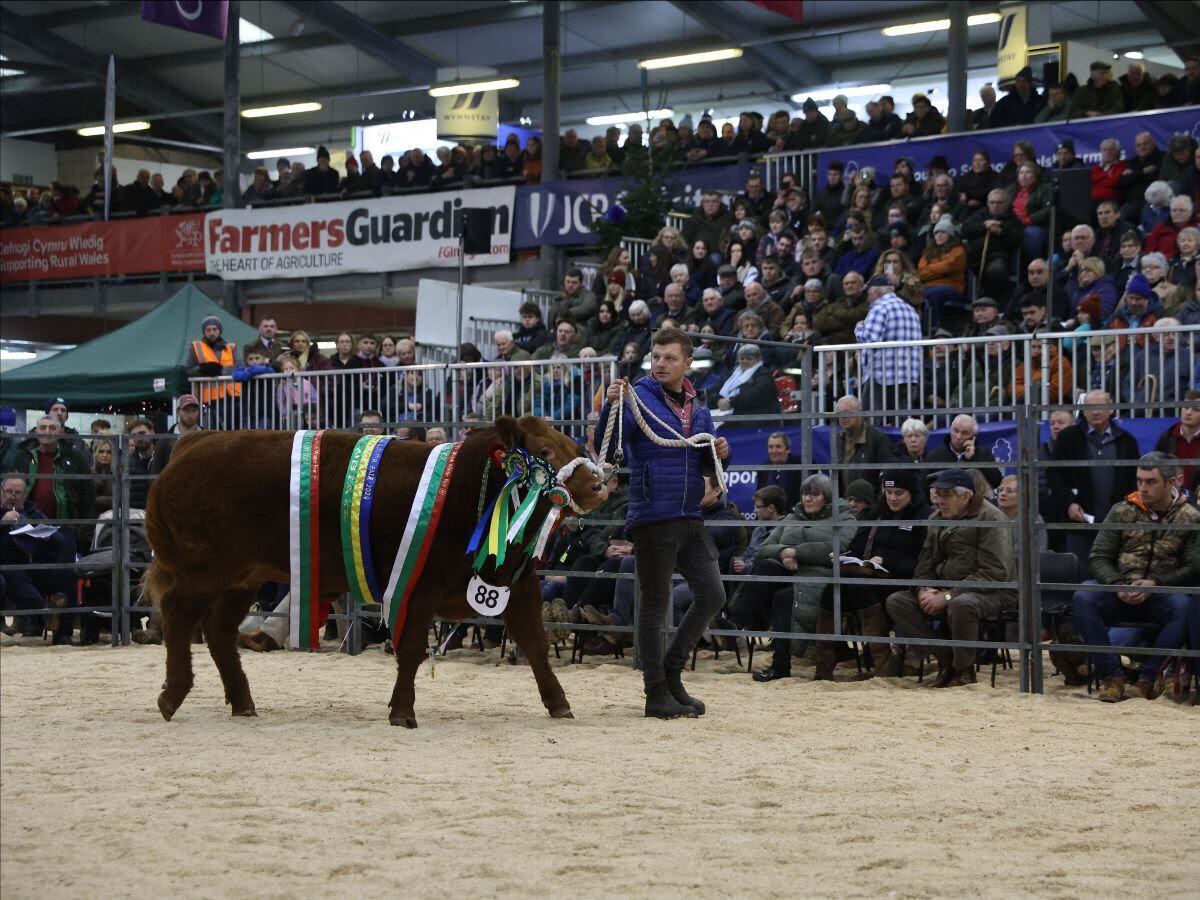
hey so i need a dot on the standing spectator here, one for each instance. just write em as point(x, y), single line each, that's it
point(49, 453)
point(955, 552)
point(827, 202)
point(211, 358)
point(187, 421)
point(323, 179)
point(572, 153)
point(139, 195)
point(597, 157)
point(1186, 91)
point(1140, 172)
point(924, 120)
point(260, 189)
point(1099, 95)
point(812, 132)
point(981, 119)
point(888, 375)
point(1020, 105)
point(1085, 495)
point(1182, 441)
point(267, 340)
point(1058, 105)
point(975, 185)
point(883, 123)
point(308, 356)
point(1138, 89)
point(993, 235)
point(709, 223)
point(859, 444)
point(1143, 560)
point(141, 455)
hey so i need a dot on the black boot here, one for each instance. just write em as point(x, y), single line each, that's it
point(661, 705)
point(679, 692)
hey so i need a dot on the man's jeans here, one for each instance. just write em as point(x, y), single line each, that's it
point(1094, 612)
point(661, 549)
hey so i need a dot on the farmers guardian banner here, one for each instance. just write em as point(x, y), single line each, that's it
point(129, 247)
point(379, 235)
point(958, 149)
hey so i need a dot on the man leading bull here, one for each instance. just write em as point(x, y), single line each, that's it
point(666, 483)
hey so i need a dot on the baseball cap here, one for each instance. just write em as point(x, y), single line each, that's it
point(879, 281)
point(187, 400)
point(985, 301)
point(727, 271)
point(1066, 144)
point(952, 478)
point(1100, 66)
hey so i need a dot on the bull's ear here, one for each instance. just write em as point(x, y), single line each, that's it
point(509, 432)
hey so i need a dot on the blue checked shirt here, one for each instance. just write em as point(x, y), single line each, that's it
point(890, 319)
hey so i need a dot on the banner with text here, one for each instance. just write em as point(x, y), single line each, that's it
point(90, 249)
point(959, 148)
point(379, 235)
point(559, 213)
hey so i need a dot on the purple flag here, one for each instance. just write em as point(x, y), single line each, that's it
point(201, 16)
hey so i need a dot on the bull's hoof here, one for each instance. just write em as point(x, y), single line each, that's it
point(562, 713)
point(406, 721)
point(248, 713)
point(165, 707)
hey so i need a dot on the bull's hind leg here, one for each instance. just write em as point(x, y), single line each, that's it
point(220, 629)
point(409, 656)
point(523, 619)
point(180, 614)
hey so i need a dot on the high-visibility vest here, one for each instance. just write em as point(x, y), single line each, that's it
point(221, 390)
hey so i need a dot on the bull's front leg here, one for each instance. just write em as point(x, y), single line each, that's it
point(523, 618)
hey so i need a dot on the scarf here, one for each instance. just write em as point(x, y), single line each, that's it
point(733, 384)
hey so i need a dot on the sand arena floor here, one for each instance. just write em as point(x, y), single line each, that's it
point(788, 789)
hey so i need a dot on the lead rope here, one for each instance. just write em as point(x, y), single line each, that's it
point(637, 406)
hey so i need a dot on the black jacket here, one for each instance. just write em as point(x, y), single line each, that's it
point(317, 182)
point(757, 396)
point(943, 453)
point(1073, 484)
point(899, 546)
point(68, 460)
point(790, 479)
point(530, 339)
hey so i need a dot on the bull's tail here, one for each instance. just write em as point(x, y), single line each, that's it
point(157, 580)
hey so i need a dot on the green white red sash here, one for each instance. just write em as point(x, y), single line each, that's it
point(304, 520)
point(418, 536)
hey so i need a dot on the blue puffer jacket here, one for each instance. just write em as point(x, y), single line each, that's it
point(664, 482)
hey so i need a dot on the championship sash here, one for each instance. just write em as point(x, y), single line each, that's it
point(418, 536)
point(358, 495)
point(304, 520)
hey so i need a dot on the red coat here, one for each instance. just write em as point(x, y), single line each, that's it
point(1162, 238)
point(1173, 442)
point(1104, 182)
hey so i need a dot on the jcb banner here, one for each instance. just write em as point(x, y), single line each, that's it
point(381, 235)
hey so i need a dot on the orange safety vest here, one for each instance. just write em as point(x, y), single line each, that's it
point(220, 390)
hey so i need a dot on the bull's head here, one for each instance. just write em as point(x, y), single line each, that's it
point(588, 489)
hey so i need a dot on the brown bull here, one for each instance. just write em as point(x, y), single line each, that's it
point(211, 556)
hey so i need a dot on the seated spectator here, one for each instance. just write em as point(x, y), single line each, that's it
point(715, 313)
point(34, 589)
point(637, 329)
point(674, 305)
point(1129, 261)
point(1099, 95)
point(1047, 367)
point(801, 544)
point(914, 435)
point(1141, 170)
point(960, 446)
point(799, 328)
point(532, 334)
point(370, 421)
point(860, 496)
point(943, 268)
point(882, 122)
point(974, 186)
point(567, 342)
point(604, 330)
point(1008, 502)
point(1106, 174)
point(779, 453)
point(1033, 313)
point(1182, 441)
point(1143, 560)
point(897, 550)
point(1182, 266)
point(924, 120)
point(1139, 308)
point(1108, 235)
point(1158, 373)
point(1093, 279)
point(1085, 495)
point(827, 202)
point(766, 309)
point(1162, 238)
point(836, 319)
point(858, 253)
point(1180, 156)
point(597, 157)
point(955, 552)
point(1031, 201)
point(993, 236)
point(1058, 105)
point(574, 300)
point(1154, 269)
point(709, 222)
point(859, 444)
point(980, 119)
point(1157, 207)
point(750, 390)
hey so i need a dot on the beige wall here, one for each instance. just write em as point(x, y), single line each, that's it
point(78, 167)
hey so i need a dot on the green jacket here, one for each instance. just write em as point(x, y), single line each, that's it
point(548, 350)
point(812, 539)
point(837, 318)
point(594, 538)
point(958, 551)
point(581, 307)
point(1169, 557)
point(808, 135)
point(1107, 101)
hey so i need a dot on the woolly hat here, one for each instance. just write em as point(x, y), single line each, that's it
point(1091, 305)
point(815, 283)
point(617, 276)
point(861, 489)
point(351, 162)
point(946, 224)
point(322, 153)
point(52, 402)
point(212, 320)
point(809, 104)
point(1140, 286)
point(686, 121)
point(842, 99)
point(905, 479)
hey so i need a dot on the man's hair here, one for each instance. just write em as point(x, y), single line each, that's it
point(529, 308)
point(1033, 299)
point(781, 436)
point(566, 319)
point(9, 476)
point(1166, 463)
point(370, 412)
point(256, 351)
point(1193, 394)
point(837, 164)
point(574, 272)
point(673, 336)
point(503, 335)
point(103, 423)
point(267, 319)
point(771, 495)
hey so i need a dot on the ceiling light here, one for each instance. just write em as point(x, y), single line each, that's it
point(249, 33)
point(5, 73)
point(690, 59)
point(118, 128)
point(1135, 54)
point(449, 90)
point(286, 151)
point(5, 353)
point(286, 109)
point(938, 25)
point(862, 90)
point(618, 118)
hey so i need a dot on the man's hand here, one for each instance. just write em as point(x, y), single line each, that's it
point(617, 550)
point(724, 404)
point(722, 446)
point(790, 564)
point(969, 449)
point(738, 565)
point(614, 390)
point(1075, 513)
point(933, 602)
point(1137, 598)
point(11, 516)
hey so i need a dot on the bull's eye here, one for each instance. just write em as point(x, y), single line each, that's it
point(545, 454)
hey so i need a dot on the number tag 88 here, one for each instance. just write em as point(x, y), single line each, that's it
point(486, 599)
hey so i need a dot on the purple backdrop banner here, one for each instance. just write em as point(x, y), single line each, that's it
point(561, 212)
point(958, 149)
point(200, 16)
point(749, 447)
